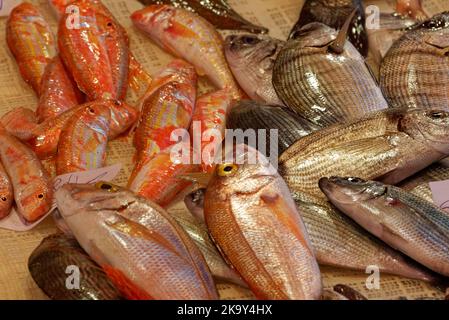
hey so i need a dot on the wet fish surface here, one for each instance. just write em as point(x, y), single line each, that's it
point(189, 36)
point(389, 145)
point(6, 193)
point(142, 249)
point(33, 190)
point(31, 41)
point(246, 205)
point(217, 12)
point(59, 92)
point(334, 13)
point(321, 85)
point(48, 265)
point(251, 59)
point(197, 230)
point(290, 126)
point(415, 71)
point(406, 222)
point(372, 148)
point(82, 143)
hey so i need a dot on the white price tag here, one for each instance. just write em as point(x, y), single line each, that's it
point(14, 222)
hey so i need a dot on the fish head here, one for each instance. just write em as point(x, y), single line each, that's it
point(314, 34)
point(244, 170)
point(6, 199)
point(98, 113)
point(430, 126)
point(153, 16)
point(35, 198)
point(87, 205)
point(435, 31)
point(257, 50)
point(350, 189)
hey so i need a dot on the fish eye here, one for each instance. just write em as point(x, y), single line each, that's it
point(226, 170)
point(109, 24)
point(355, 180)
point(437, 115)
point(249, 40)
point(4, 199)
point(106, 186)
point(117, 103)
point(40, 196)
point(91, 111)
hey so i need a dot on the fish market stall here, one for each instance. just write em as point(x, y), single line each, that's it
point(104, 121)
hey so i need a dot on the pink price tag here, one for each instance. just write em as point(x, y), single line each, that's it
point(14, 222)
point(440, 193)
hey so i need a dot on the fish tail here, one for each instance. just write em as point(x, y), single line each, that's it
point(127, 288)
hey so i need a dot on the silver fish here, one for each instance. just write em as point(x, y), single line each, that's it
point(322, 77)
point(412, 225)
point(251, 59)
point(415, 71)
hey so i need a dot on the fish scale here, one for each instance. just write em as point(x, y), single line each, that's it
point(334, 14)
point(392, 162)
point(410, 224)
point(340, 242)
point(33, 191)
point(254, 222)
point(30, 39)
point(48, 266)
point(6, 193)
point(322, 86)
point(191, 37)
point(251, 59)
point(137, 241)
point(82, 143)
point(415, 71)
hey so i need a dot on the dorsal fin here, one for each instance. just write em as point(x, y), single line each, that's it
point(339, 43)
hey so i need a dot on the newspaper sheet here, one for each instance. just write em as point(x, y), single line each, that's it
point(279, 16)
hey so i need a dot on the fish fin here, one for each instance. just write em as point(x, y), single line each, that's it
point(284, 212)
point(127, 288)
point(177, 29)
point(338, 44)
point(200, 178)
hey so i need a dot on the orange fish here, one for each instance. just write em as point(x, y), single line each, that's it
point(209, 124)
point(20, 122)
point(45, 137)
point(31, 41)
point(139, 245)
point(33, 191)
point(412, 8)
point(138, 80)
point(59, 92)
point(85, 53)
point(254, 221)
point(168, 106)
point(191, 37)
point(83, 141)
point(157, 178)
point(117, 44)
point(6, 193)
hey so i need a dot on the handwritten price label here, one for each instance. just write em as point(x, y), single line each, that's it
point(440, 193)
point(6, 6)
point(14, 221)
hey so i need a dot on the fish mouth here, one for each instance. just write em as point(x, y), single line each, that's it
point(72, 196)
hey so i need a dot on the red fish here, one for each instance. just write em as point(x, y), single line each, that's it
point(82, 143)
point(31, 41)
point(85, 53)
point(209, 124)
point(168, 105)
point(59, 92)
